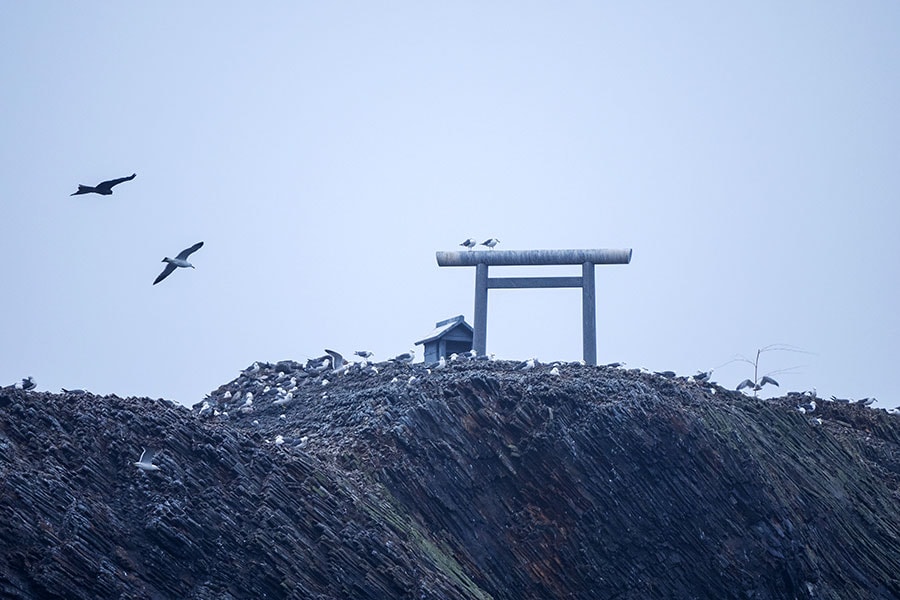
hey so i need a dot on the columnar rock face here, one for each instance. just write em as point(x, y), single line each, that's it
point(471, 481)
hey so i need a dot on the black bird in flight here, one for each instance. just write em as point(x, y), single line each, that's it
point(178, 261)
point(104, 188)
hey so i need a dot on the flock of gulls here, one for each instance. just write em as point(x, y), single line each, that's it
point(266, 390)
point(277, 385)
point(267, 386)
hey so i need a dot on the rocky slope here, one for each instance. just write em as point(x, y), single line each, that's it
point(472, 481)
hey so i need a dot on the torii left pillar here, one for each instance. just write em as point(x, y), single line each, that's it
point(586, 258)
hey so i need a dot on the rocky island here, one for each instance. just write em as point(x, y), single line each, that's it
point(476, 480)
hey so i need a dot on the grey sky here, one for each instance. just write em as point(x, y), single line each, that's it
point(323, 152)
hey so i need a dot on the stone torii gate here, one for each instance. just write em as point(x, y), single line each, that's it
point(481, 259)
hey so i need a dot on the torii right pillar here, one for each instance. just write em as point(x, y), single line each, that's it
point(481, 259)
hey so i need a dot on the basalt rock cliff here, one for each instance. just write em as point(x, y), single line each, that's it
point(470, 481)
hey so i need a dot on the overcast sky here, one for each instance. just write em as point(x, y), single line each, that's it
point(746, 151)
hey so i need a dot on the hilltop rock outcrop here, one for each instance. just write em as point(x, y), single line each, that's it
point(471, 481)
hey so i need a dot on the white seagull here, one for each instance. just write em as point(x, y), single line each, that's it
point(470, 243)
point(178, 261)
point(526, 365)
point(145, 462)
point(490, 242)
point(284, 399)
point(747, 383)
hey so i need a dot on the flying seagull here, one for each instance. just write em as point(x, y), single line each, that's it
point(178, 261)
point(766, 379)
point(747, 383)
point(337, 361)
point(490, 242)
point(470, 243)
point(145, 462)
point(103, 188)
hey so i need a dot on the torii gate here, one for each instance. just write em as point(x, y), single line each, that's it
point(481, 259)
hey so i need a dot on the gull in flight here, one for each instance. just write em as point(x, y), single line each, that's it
point(747, 383)
point(337, 361)
point(104, 188)
point(145, 462)
point(178, 261)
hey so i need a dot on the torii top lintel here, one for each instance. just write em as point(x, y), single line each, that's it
point(588, 259)
point(471, 258)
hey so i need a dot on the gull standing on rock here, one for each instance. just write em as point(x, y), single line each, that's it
point(178, 261)
point(406, 357)
point(702, 376)
point(526, 365)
